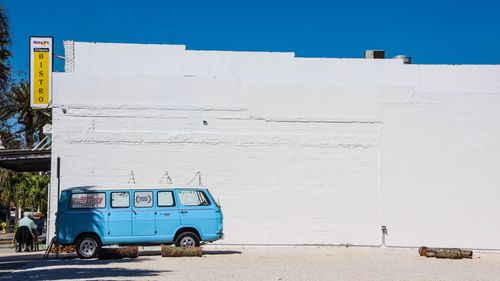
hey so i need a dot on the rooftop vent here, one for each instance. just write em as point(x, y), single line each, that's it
point(406, 59)
point(374, 54)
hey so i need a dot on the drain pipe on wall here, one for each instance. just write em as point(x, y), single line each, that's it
point(384, 233)
point(58, 198)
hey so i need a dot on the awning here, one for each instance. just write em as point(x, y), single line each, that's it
point(25, 160)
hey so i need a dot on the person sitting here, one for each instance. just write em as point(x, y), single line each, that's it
point(24, 234)
point(39, 222)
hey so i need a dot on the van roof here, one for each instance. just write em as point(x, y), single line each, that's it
point(131, 187)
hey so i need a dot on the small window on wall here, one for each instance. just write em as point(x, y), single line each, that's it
point(120, 200)
point(193, 198)
point(143, 199)
point(165, 199)
point(87, 200)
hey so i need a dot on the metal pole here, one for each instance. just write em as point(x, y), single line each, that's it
point(58, 195)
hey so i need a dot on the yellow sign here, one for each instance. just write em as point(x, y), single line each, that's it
point(40, 71)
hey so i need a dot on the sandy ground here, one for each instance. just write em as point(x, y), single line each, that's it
point(262, 263)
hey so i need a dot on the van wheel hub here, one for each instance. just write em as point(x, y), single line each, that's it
point(187, 242)
point(88, 247)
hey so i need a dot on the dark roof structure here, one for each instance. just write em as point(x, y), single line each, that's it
point(25, 160)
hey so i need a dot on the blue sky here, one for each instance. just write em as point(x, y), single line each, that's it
point(432, 32)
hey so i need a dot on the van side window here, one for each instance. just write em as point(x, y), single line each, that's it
point(87, 200)
point(143, 199)
point(193, 198)
point(165, 199)
point(120, 199)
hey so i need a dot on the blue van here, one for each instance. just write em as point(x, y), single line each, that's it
point(90, 217)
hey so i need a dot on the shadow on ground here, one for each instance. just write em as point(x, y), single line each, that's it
point(205, 252)
point(12, 262)
point(70, 267)
point(221, 252)
point(79, 273)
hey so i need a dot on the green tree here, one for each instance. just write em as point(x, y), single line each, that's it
point(8, 139)
point(20, 127)
point(23, 126)
point(4, 49)
point(28, 123)
point(8, 194)
point(25, 191)
point(36, 193)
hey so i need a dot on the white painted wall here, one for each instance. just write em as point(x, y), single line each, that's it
point(300, 151)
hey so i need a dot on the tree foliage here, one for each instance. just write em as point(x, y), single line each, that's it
point(27, 191)
point(4, 49)
point(7, 192)
point(5, 134)
point(20, 127)
point(25, 124)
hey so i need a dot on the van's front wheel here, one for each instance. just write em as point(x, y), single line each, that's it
point(187, 240)
point(87, 247)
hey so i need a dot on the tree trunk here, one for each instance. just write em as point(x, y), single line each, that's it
point(445, 253)
point(118, 253)
point(168, 251)
point(62, 249)
point(7, 219)
point(16, 221)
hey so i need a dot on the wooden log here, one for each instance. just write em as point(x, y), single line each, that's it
point(168, 251)
point(445, 253)
point(62, 249)
point(119, 253)
point(466, 253)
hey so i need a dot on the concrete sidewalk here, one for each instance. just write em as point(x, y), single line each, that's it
point(6, 237)
point(6, 243)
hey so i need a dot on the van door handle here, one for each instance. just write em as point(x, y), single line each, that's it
point(134, 212)
point(166, 214)
point(183, 212)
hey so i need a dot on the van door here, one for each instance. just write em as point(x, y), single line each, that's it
point(119, 214)
point(167, 216)
point(197, 211)
point(143, 217)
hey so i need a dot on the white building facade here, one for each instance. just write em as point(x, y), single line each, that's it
point(298, 150)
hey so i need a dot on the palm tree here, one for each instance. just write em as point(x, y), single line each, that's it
point(36, 196)
point(8, 192)
point(22, 189)
point(27, 191)
point(16, 106)
point(4, 51)
point(5, 134)
point(20, 126)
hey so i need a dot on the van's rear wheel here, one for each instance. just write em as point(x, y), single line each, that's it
point(87, 247)
point(187, 240)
